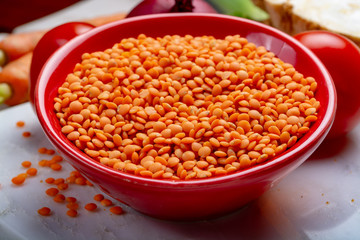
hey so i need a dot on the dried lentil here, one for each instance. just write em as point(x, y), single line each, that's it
point(106, 202)
point(90, 207)
point(44, 211)
point(72, 213)
point(31, 171)
point(19, 179)
point(26, 134)
point(193, 103)
point(116, 210)
point(98, 197)
point(26, 164)
point(20, 123)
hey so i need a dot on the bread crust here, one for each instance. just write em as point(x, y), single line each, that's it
point(285, 19)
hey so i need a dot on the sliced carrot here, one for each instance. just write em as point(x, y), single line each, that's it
point(101, 20)
point(16, 75)
point(16, 45)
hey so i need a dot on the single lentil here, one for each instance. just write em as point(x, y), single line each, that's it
point(98, 197)
point(56, 166)
point(20, 123)
point(26, 134)
point(44, 211)
point(26, 164)
point(72, 205)
point(62, 186)
point(71, 213)
point(52, 192)
point(90, 207)
point(50, 151)
point(50, 180)
point(106, 202)
point(42, 150)
point(71, 199)
point(116, 210)
point(59, 198)
point(31, 171)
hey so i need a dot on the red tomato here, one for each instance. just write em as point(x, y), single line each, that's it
point(341, 57)
point(49, 43)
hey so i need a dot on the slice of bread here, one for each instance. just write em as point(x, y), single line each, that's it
point(294, 16)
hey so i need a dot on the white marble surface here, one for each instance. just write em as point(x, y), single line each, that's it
point(319, 200)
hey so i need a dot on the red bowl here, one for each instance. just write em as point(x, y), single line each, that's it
point(193, 199)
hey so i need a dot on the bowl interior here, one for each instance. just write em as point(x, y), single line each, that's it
point(285, 47)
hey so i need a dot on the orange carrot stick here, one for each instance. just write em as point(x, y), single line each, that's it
point(101, 20)
point(16, 76)
point(17, 44)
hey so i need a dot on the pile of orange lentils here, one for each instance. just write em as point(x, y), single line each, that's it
point(58, 186)
point(185, 107)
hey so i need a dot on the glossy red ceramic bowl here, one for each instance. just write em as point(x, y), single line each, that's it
point(193, 199)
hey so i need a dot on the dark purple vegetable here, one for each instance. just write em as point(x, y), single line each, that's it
point(166, 6)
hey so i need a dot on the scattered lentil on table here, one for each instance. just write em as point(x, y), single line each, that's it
point(44, 211)
point(61, 184)
point(20, 123)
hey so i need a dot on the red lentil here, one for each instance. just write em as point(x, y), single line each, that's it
point(50, 152)
point(89, 183)
point(43, 163)
point(26, 164)
point(80, 181)
point(116, 210)
point(19, 179)
point(31, 171)
point(42, 150)
point(59, 181)
point(70, 179)
point(90, 207)
point(106, 202)
point(98, 197)
point(71, 199)
point(20, 123)
point(62, 186)
point(44, 211)
point(26, 134)
point(59, 198)
point(57, 158)
point(50, 180)
point(221, 110)
point(52, 192)
point(72, 205)
point(72, 213)
point(56, 167)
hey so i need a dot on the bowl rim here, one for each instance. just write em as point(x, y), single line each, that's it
point(83, 159)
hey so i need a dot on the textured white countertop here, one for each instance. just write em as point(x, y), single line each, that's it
point(319, 200)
